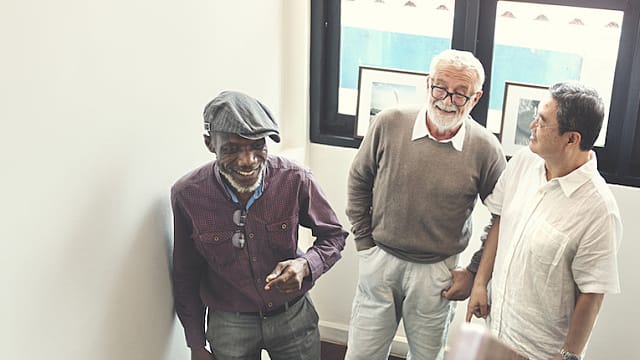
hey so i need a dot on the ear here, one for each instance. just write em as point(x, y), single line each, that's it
point(210, 143)
point(574, 137)
point(477, 97)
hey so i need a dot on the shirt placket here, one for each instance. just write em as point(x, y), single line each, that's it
point(528, 214)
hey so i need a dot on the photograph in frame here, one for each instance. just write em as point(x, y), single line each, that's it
point(520, 106)
point(380, 88)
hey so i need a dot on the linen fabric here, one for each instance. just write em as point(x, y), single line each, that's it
point(556, 238)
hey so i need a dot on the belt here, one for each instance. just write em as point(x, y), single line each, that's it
point(273, 312)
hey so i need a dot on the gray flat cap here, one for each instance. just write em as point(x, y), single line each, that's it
point(237, 113)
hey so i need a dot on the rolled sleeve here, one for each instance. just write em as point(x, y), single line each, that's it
point(317, 215)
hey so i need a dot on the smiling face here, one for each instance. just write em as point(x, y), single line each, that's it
point(444, 114)
point(240, 160)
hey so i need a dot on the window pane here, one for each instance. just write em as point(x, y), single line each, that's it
point(399, 34)
point(542, 44)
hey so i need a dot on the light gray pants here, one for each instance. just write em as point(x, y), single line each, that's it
point(390, 289)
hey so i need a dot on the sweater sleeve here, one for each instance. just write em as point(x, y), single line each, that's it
point(360, 186)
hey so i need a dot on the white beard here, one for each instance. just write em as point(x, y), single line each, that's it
point(445, 123)
point(239, 188)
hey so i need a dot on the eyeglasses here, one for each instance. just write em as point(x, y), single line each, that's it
point(536, 119)
point(440, 93)
point(239, 218)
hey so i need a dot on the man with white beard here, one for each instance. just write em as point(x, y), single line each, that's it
point(412, 188)
point(236, 255)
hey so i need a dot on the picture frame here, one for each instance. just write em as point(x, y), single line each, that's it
point(519, 107)
point(380, 88)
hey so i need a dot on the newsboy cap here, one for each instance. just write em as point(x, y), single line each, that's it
point(237, 113)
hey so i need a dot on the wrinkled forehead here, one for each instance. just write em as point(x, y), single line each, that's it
point(456, 76)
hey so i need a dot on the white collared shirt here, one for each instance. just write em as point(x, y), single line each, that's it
point(556, 237)
point(421, 130)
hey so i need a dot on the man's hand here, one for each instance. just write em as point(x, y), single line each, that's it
point(288, 275)
point(461, 283)
point(478, 304)
point(201, 354)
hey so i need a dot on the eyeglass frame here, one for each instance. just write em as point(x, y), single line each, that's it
point(238, 239)
point(536, 119)
point(449, 95)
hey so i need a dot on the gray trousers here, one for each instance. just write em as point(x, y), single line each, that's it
point(290, 335)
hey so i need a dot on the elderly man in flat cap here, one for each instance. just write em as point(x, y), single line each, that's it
point(236, 254)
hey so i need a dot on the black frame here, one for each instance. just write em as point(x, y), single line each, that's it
point(473, 30)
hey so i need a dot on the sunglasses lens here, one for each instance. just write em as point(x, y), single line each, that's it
point(238, 239)
point(239, 217)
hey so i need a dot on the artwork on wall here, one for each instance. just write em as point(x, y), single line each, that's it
point(380, 88)
point(519, 107)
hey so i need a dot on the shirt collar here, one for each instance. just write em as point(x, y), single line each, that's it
point(256, 194)
point(421, 130)
point(572, 181)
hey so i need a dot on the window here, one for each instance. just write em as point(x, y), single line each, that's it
point(535, 41)
point(389, 34)
point(553, 43)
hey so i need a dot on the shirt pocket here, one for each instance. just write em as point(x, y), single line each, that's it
point(547, 244)
point(217, 248)
point(282, 237)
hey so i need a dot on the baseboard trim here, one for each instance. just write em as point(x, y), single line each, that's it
point(338, 333)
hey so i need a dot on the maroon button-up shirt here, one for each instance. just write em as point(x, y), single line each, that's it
point(208, 271)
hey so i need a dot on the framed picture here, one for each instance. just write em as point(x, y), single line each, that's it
point(380, 88)
point(519, 107)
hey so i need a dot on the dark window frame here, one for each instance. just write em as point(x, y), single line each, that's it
point(473, 30)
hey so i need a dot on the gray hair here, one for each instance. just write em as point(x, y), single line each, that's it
point(581, 109)
point(462, 60)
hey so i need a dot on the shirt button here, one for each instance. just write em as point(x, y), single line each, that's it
point(254, 259)
point(270, 304)
point(250, 235)
point(283, 226)
point(258, 280)
point(215, 238)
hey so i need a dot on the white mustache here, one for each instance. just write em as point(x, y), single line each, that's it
point(440, 104)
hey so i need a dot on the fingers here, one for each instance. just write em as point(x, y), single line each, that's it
point(484, 311)
point(445, 293)
point(455, 292)
point(276, 271)
point(480, 311)
point(284, 278)
point(467, 318)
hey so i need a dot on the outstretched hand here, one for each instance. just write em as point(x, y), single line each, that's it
point(461, 283)
point(288, 275)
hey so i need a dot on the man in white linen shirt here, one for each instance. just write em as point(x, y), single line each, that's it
point(551, 252)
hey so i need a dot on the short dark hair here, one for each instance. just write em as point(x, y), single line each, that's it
point(580, 109)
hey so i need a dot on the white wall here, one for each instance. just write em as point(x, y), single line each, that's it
point(100, 104)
